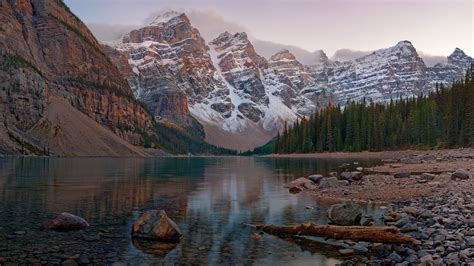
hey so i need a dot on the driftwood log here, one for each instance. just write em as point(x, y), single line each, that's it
point(379, 234)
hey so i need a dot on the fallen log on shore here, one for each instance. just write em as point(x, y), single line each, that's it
point(379, 234)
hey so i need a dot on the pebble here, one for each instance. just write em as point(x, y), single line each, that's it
point(69, 263)
point(347, 251)
point(426, 260)
point(395, 257)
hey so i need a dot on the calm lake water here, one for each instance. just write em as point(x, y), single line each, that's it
point(209, 198)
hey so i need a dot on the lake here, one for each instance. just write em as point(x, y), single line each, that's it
point(209, 198)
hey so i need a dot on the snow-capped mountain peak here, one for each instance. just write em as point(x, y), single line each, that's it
point(233, 91)
point(167, 17)
point(459, 58)
point(283, 55)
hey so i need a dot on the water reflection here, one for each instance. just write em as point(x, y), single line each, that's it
point(209, 198)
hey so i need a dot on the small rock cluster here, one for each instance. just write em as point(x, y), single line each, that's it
point(444, 226)
point(316, 181)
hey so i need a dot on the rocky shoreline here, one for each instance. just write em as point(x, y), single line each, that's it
point(429, 196)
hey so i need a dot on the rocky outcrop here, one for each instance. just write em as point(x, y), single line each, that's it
point(66, 222)
point(156, 225)
point(48, 52)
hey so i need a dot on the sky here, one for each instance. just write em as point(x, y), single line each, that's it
point(435, 27)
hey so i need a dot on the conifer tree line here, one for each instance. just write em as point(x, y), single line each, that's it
point(442, 119)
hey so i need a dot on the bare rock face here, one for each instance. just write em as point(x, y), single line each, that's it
point(66, 222)
point(240, 65)
point(48, 52)
point(156, 225)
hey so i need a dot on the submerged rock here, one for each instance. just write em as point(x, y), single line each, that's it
point(156, 225)
point(66, 222)
point(345, 214)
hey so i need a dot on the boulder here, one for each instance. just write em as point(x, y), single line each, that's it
point(413, 211)
point(402, 175)
point(295, 189)
point(315, 178)
point(356, 176)
point(156, 225)
point(345, 214)
point(426, 260)
point(302, 182)
point(66, 222)
point(328, 182)
point(461, 174)
point(346, 176)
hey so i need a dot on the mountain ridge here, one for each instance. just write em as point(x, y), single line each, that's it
point(244, 91)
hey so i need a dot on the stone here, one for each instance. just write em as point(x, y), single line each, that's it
point(69, 263)
point(315, 178)
point(302, 182)
point(347, 251)
point(156, 225)
point(426, 214)
point(356, 176)
point(402, 222)
point(428, 176)
point(413, 211)
point(360, 169)
point(426, 260)
point(343, 183)
point(345, 214)
point(410, 227)
point(470, 242)
point(84, 259)
point(346, 176)
point(395, 257)
point(66, 222)
point(329, 182)
point(402, 175)
point(470, 222)
point(460, 174)
point(295, 189)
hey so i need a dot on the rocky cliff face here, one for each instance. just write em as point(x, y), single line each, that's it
point(48, 54)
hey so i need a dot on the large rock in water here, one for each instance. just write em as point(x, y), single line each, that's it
point(345, 214)
point(156, 225)
point(66, 222)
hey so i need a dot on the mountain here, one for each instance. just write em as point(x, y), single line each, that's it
point(226, 92)
point(392, 73)
point(231, 90)
point(60, 94)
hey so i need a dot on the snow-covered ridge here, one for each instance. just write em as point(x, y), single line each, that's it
point(166, 18)
point(228, 85)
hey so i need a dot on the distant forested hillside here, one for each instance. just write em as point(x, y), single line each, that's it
point(443, 119)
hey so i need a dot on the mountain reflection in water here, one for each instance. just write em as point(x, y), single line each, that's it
point(209, 198)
